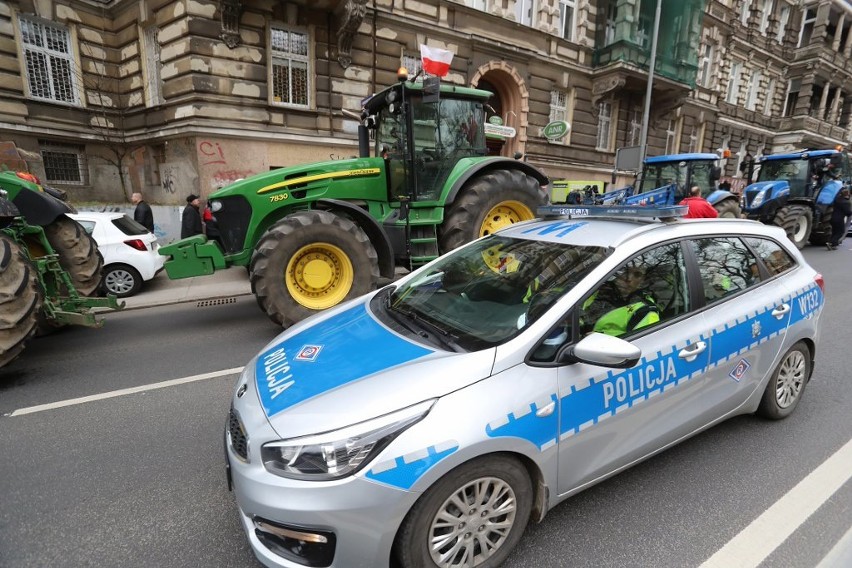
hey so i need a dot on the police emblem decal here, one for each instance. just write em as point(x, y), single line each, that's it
point(755, 329)
point(308, 353)
point(740, 370)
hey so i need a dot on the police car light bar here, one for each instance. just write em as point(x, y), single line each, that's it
point(619, 211)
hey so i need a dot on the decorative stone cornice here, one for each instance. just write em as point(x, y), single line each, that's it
point(350, 14)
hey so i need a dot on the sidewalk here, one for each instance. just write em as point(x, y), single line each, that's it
point(162, 291)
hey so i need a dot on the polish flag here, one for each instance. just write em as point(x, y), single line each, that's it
point(436, 61)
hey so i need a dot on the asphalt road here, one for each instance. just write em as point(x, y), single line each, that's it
point(137, 479)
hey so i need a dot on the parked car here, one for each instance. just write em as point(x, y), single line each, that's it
point(129, 251)
point(426, 423)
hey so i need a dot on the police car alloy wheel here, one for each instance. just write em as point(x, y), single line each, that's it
point(784, 390)
point(473, 516)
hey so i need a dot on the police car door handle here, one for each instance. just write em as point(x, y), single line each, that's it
point(781, 311)
point(690, 353)
point(546, 410)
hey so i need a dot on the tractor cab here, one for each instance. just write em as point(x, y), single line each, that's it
point(681, 170)
point(424, 133)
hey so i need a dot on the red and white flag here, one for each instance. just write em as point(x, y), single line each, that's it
point(436, 61)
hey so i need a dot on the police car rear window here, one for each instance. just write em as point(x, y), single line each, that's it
point(773, 255)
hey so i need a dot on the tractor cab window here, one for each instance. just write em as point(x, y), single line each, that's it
point(445, 131)
point(390, 144)
point(659, 175)
point(794, 172)
point(700, 174)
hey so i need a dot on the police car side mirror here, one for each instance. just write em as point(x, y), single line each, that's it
point(605, 351)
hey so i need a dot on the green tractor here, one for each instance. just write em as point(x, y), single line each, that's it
point(315, 235)
point(49, 265)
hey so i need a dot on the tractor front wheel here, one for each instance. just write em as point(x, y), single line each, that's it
point(489, 203)
point(797, 221)
point(20, 300)
point(78, 254)
point(310, 261)
point(728, 209)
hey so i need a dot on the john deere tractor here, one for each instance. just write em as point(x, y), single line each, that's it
point(666, 180)
point(315, 235)
point(796, 191)
point(49, 265)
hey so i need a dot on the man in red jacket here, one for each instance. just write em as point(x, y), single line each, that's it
point(698, 206)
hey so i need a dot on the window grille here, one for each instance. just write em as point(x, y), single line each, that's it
point(559, 101)
point(291, 69)
point(64, 164)
point(48, 61)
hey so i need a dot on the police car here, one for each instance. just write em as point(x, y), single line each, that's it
point(427, 423)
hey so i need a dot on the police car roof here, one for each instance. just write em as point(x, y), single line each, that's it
point(614, 232)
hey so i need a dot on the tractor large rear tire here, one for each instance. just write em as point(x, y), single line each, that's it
point(20, 300)
point(728, 209)
point(310, 261)
point(78, 254)
point(821, 233)
point(489, 203)
point(797, 221)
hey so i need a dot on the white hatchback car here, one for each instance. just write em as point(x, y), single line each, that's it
point(129, 251)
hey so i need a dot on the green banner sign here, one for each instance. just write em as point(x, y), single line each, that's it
point(556, 130)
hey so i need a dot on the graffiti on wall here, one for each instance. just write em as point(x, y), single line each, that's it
point(212, 158)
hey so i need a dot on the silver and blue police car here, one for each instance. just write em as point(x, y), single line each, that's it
point(427, 423)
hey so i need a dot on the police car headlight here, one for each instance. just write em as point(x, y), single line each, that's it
point(215, 206)
point(758, 199)
point(340, 453)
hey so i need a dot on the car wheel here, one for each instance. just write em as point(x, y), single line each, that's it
point(785, 388)
point(473, 516)
point(121, 280)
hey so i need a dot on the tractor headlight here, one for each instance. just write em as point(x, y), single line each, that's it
point(336, 454)
point(758, 199)
point(215, 206)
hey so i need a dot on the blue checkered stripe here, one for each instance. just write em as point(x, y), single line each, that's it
point(403, 471)
point(524, 422)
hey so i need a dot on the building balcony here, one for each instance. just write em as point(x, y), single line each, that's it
point(814, 127)
point(638, 57)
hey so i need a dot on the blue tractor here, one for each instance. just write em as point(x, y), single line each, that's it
point(665, 180)
point(796, 191)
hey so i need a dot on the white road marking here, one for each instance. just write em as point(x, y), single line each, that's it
point(766, 533)
point(123, 392)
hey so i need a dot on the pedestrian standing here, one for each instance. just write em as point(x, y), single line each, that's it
point(839, 218)
point(698, 206)
point(142, 214)
point(190, 224)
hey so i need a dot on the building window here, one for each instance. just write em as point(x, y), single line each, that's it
point(525, 11)
point(152, 65)
point(634, 135)
point(604, 126)
point(475, 4)
point(291, 69)
point(567, 13)
point(746, 12)
point(734, 83)
point(807, 27)
point(753, 87)
point(609, 26)
point(670, 138)
point(782, 23)
point(768, 6)
point(414, 64)
point(770, 98)
point(792, 96)
point(49, 66)
point(705, 66)
point(561, 107)
point(63, 164)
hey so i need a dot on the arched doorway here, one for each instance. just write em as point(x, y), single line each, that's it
point(510, 102)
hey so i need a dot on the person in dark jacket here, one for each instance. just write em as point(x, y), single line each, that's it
point(190, 223)
point(142, 214)
point(839, 218)
point(698, 206)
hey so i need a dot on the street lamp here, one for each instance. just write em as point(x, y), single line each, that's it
point(643, 138)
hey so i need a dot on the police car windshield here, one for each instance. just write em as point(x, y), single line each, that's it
point(490, 291)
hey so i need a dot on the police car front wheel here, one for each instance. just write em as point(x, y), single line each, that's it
point(473, 516)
